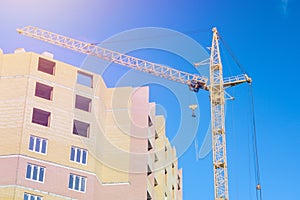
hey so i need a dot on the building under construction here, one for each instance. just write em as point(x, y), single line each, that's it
point(72, 135)
point(65, 135)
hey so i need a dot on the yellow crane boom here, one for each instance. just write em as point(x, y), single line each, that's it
point(194, 81)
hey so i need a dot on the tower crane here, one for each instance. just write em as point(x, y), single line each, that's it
point(216, 88)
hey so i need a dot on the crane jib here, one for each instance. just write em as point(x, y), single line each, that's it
point(194, 81)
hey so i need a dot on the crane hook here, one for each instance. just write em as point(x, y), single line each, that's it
point(258, 187)
point(193, 107)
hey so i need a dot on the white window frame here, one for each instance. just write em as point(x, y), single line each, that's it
point(29, 196)
point(80, 182)
point(38, 173)
point(81, 155)
point(35, 138)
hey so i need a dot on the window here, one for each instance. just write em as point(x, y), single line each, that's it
point(148, 170)
point(149, 121)
point(85, 79)
point(43, 91)
point(173, 192)
point(41, 117)
point(155, 158)
point(32, 197)
point(78, 155)
point(166, 177)
point(166, 152)
point(173, 169)
point(83, 103)
point(81, 128)
point(156, 135)
point(178, 182)
point(38, 144)
point(149, 145)
point(46, 66)
point(35, 172)
point(148, 196)
point(77, 182)
point(155, 182)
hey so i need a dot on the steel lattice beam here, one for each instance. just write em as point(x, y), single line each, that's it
point(195, 81)
point(217, 101)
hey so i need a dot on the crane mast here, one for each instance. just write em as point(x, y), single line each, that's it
point(217, 103)
point(217, 87)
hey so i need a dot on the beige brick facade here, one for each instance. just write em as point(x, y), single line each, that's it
point(63, 138)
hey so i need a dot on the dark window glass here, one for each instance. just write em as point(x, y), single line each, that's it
point(41, 175)
point(43, 91)
point(84, 157)
point(28, 173)
point(82, 189)
point(78, 155)
point(25, 196)
point(71, 181)
point(46, 66)
point(31, 143)
point(81, 128)
point(44, 146)
point(72, 156)
point(77, 183)
point(40, 117)
point(37, 144)
point(35, 172)
point(83, 103)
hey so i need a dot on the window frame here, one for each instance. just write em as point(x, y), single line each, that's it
point(76, 155)
point(40, 146)
point(39, 167)
point(73, 188)
point(36, 197)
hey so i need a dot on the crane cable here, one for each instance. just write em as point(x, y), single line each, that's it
point(232, 55)
point(256, 161)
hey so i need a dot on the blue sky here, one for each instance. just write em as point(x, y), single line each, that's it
point(263, 36)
